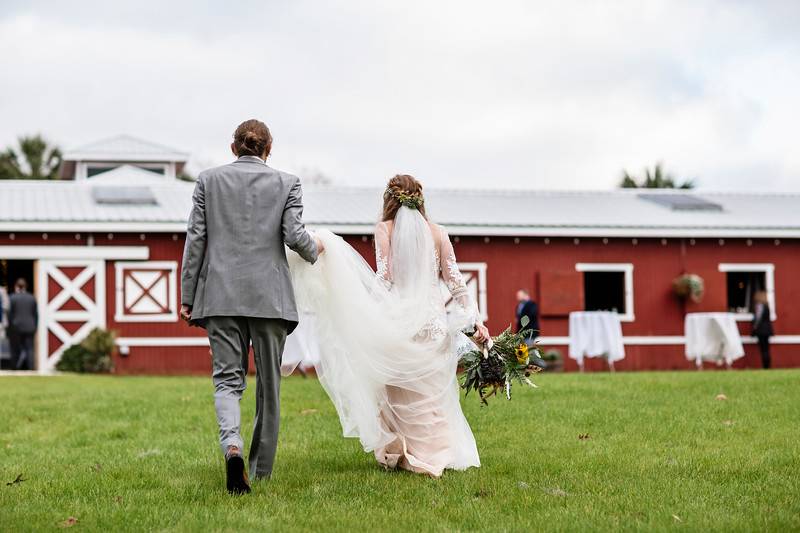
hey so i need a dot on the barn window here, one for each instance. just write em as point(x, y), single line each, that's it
point(154, 169)
point(94, 170)
point(743, 281)
point(146, 291)
point(608, 287)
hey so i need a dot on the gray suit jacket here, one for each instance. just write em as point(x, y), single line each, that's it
point(23, 315)
point(234, 261)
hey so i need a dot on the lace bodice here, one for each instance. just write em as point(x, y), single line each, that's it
point(443, 263)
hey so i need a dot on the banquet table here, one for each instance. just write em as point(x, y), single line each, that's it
point(595, 334)
point(712, 337)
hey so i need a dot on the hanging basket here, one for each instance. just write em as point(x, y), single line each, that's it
point(689, 286)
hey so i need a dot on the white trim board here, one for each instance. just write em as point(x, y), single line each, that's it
point(143, 226)
point(456, 230)
point(162, 341)
point(101, 226)
point(651, 340)
point(74, 252)
point(668, 340)
point(587, 231)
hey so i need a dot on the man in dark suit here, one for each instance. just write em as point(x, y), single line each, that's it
point(762, 327)
point(527, 307)
point(23, 318)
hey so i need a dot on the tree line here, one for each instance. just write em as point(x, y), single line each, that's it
point(33, 158)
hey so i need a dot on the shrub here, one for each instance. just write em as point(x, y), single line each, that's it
point(93, 355)
point(552, 355)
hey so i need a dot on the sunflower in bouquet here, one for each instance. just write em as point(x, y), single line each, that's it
point(494, 366)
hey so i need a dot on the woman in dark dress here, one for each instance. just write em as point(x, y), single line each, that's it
point(762, 326)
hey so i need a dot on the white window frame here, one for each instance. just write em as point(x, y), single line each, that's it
point(172, 292)
point(627, 270)
point(480, 280)
point(82, 167)
point(769, 280)
point(483, 308)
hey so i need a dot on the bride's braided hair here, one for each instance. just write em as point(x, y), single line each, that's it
point(402, 190)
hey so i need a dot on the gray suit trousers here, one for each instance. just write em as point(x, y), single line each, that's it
point(230, 338)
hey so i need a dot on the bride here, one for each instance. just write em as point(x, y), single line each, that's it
point(388, 348)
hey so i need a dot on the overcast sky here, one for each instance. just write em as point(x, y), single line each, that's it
point(500, 94)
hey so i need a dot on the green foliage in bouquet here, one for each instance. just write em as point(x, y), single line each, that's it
point(93, 355)
point(487, 370)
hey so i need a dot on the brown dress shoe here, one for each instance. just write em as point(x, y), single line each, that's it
point(236, 476)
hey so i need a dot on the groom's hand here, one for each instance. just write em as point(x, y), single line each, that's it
point(186, 313)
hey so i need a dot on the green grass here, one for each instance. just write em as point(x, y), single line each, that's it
point(662, 453)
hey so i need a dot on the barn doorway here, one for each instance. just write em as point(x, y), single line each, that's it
point(13, 269)
point(10, 271)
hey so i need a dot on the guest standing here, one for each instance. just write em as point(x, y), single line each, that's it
point(762, 327)
point(527, 308)
point(23, 319)
point(5, 353)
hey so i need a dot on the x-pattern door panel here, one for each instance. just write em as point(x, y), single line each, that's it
point(71, 297)
point(475, 279)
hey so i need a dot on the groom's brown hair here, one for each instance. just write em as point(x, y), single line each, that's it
point(252, 137)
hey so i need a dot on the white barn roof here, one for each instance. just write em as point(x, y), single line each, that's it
point(125, 148)
point(572, 213)
point(73, 206)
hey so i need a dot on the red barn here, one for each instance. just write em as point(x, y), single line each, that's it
point(103, 248)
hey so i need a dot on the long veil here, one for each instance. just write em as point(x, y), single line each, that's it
point(377, 341)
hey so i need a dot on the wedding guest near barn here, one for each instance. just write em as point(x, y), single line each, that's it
point(5, 352)
point(762, 327)
point(23, 319)
point(527, 308)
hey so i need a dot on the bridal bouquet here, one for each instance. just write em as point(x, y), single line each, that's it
point(495, 366)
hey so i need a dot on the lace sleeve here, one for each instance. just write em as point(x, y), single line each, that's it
point(383, 253)
point(454, 280)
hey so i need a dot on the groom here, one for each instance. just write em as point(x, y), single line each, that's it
point(235, 282)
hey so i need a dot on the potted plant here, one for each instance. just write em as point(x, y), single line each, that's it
point(553, 359)
point(689, 286)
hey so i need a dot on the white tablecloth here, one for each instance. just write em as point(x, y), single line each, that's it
point(595, 334)
point(302, 346)
point(712, 337)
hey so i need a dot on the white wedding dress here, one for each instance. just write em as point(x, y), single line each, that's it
point(388, 349)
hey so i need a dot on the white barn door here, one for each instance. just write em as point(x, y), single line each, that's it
point(71, 295)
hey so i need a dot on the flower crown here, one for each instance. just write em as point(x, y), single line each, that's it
point(410, 200)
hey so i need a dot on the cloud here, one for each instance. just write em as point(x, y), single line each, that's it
point(507, 94)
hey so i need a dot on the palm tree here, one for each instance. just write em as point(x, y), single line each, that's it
point(34, 159)
point(657, 179)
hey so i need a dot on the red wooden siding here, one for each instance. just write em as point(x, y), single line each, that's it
point(547, 269)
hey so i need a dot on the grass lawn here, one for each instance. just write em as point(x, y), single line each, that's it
point(141, 454)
